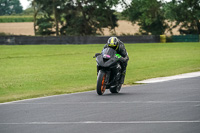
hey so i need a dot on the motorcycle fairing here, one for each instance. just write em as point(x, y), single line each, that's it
point(108, 63)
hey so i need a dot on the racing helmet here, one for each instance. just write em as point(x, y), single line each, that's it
point(113, 42)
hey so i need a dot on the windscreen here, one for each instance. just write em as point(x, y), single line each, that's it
point(108, 53)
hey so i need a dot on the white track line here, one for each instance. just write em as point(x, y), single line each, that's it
point(100, 122)
point(122, 102)
point(162, 79)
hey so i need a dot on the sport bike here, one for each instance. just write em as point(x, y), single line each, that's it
point(109, 71)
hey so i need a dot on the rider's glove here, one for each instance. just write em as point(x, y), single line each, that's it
point(124, 59)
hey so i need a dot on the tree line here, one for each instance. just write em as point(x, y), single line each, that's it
point(8, 7)
point(154, 16)
point(89, 17)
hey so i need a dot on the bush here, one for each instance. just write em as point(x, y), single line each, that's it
point(168, 38)
point(4, 34)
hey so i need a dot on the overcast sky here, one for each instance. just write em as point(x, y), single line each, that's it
point(24, 3)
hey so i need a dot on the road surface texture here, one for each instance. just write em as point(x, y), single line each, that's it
point(165, 107)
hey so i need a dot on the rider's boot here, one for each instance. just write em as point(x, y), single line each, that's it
point(122, 77)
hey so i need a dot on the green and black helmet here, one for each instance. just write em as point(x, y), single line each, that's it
point(113, 42)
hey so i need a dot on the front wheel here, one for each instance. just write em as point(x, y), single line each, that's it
point(101, 86)
point(116, 89)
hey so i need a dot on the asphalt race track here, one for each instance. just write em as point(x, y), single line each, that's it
point(165, 107)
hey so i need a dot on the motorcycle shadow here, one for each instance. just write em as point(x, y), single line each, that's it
point(117, 94)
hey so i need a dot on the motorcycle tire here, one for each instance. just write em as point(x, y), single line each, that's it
point(101, 86)
point(116, 89)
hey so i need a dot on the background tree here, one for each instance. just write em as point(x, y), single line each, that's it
point(35, 9)
point(77, 17)
point(28, 11)
point(45, 23)
point(185, 13)
point(45, 26)
point(148, 14)
point(8, 7)
point(87, 17)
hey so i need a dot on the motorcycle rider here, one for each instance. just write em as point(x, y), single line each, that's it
point(116, 44)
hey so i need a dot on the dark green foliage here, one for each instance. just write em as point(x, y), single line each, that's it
point(87, 18)
point(79, 17)
point(186, 13)
point(45, 23)
point(28, 11)
point(8, 7)
point(148, 15)
point(45, 26)
point(120, 16)
point(4, 34)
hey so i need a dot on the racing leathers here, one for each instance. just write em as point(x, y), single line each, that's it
point(120, 49)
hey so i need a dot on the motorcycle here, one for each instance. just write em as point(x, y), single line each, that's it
point(109, 71)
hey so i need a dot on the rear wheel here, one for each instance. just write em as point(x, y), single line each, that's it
point(116, 89)
point(101, 86)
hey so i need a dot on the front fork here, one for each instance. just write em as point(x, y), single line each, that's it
point(107, 77)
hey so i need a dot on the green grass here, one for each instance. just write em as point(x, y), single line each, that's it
point(28, 71)
point(8, 19)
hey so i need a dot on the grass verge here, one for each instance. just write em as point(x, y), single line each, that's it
point(28, 71)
